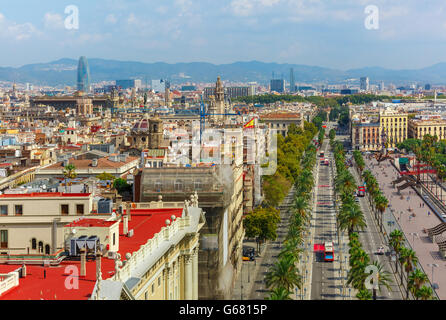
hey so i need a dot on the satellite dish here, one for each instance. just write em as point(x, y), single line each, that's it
point(73, 231)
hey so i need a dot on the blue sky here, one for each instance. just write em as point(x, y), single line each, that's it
point(329, 33)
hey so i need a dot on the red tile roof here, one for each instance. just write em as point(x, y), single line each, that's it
point(145, 223)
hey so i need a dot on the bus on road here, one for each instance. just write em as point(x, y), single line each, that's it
point(328, 252)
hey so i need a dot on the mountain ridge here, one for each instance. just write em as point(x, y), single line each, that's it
point(63, 72)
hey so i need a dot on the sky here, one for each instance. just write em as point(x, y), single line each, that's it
point(407, 34)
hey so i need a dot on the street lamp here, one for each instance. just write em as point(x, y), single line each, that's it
point(413, 234)
point(433, 265)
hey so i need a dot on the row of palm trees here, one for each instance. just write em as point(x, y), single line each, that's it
point(406, 257)
point(284, 275)
point(407, 260)
point(360, 271)
point(351, 219)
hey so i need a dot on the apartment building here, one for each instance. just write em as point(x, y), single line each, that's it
point(423, 125)
point(393, 127)
point(154, 256)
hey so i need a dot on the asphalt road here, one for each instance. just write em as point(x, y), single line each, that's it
point(325, 281)
point(371, 239)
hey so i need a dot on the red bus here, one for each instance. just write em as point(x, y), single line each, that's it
point(328, 252)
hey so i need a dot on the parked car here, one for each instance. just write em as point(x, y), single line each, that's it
point(248, 253)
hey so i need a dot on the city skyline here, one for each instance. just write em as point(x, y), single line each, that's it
point(312, 32)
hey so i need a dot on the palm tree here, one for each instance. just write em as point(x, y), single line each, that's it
point(284, 274)
point(301, 208)
point(381, 204)
point(383, 278)
point(279, 293)
point(351, 218)
point(364, 294)
point(396, 241)
point(291, 249)
point(408, 258)
point(69, 172)
point(425, 293)
point(416, 279)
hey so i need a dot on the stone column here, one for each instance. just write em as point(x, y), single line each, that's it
point(188, 278)
point(166, 283)
point(195, 274)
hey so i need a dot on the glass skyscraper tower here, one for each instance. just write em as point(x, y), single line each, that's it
point(83, 75)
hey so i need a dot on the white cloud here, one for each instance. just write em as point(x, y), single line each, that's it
point(248, 7)
point(17, 31)
point(111, 19)
point(53, 21)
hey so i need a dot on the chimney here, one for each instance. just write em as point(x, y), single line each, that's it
point(24, 271)
point(126, 224)
point(83, 262)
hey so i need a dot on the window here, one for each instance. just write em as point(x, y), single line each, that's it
point(146, 295)
point(178, 185)
point(4, 239)
point(114, 238)
point(4, 210)
point(158, 185)
point(80, 209)
point(47, 249)
point(40, 246)
point(64, 209)
point(197, 185)
point(18, 209)
point(159, 281)
point(153, 288)
point(33, 243)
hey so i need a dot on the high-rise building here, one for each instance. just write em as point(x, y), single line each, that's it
point(129, 84)
point(159, 86)
point(382, 87)
point(278, 85)
point(364, 84)
point(427, 87)
point(83, 75)
point(292, 82)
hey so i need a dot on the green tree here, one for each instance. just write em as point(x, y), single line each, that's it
point(383, 277)
point(364, 294)
point(262, 224)
point(69, 172)
point(408, 259)
point(121, 186)
point(416, 279)
point(105, 176)
point(285, 274)
point(279, 293)
point(425, 293)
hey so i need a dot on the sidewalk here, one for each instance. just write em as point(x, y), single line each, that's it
point(398, 214)
point(253, 273)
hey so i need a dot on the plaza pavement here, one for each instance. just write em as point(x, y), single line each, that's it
point(427, 251)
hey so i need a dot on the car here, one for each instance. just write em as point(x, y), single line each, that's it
point(380, 250)
point(248, 253)
point(443, 216)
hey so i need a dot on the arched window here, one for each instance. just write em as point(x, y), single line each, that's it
point(47, 249)
point(34, 243)
point(40, 247)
